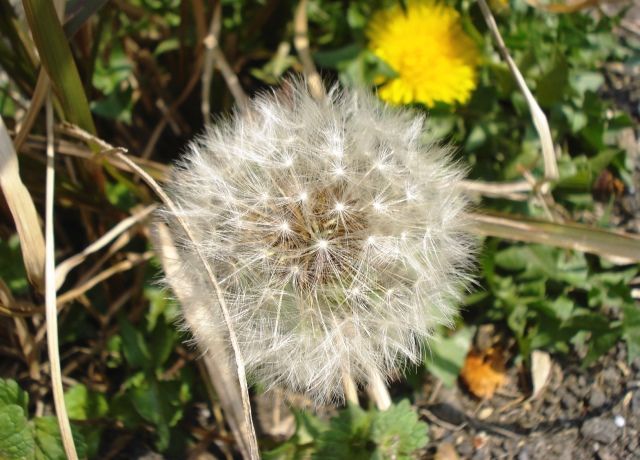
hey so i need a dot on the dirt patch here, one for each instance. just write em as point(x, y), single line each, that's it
point(582, 414)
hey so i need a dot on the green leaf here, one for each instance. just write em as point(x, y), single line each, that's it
point(16, 440)
point(12, 394)
point(445, 355)
point(398, 433)
point(12, 267)
point(57, 59)
point(348, 436)
point(160, 403)
point(300, 445)
point(84, 404)
point(553, 84)
point(134, 345)
point(631, 330)
point(46, 433)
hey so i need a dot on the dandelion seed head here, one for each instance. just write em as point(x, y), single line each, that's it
point(346, 259)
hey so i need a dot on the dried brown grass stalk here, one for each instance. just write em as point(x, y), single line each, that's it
point(244, 389)
point(50, 298)
point(539, 118)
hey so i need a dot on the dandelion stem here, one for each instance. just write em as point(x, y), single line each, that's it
point(378, 390)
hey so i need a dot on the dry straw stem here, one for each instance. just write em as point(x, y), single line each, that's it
point(50, 297)
point(301, 42)
point(65, 267)
point(244, 389)
point(622, 248)
point(217, 364)
point(539, 118)
point(22, 209)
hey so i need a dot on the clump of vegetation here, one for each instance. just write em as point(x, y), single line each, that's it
point(103, 100)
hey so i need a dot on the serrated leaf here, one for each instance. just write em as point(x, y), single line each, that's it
point(12, 394)
point(348, 436)
point(398, 432)
point(16, 439)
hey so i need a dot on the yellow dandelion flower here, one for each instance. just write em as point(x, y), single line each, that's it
point(428, 49)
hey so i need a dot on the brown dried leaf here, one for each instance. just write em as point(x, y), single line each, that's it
point(483, 372)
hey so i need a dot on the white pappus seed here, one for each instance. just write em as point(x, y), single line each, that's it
point(324, 261)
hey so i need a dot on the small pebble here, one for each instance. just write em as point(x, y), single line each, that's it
point(600, 429)
point(619, 421)
point(596, 398)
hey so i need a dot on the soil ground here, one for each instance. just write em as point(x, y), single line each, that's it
point(581, 414)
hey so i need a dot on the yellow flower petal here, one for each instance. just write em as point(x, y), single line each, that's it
point(427, 47)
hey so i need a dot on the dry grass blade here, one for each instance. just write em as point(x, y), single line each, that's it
point(621, 248)
point(539, 118)
point(301, 42)
point(568, 7)
point(65, 267)
point(37, 99)
point(517, 191)
point(22, 209)
point(221, 375)
point(244, 389)
point(50, 298)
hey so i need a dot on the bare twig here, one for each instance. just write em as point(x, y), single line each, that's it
point(539, 118)
point(124, 265)
point(517, 191)
point(209, 63)
point(65, 267)
point(253, 448)
point(212, 46)
point(301, 42)
point(50, 297)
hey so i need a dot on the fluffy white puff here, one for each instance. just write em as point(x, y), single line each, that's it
point(337, 235)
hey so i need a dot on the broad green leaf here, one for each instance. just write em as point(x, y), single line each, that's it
point(16, 440)
point(84, 404)
point(445, 355)
point(134, 345)
point(631, 330)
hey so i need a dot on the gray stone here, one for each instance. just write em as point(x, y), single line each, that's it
point(600, 429)
point(597, 398)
